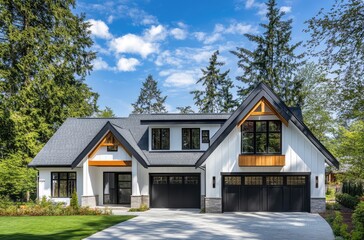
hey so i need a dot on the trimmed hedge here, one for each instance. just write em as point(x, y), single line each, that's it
point(347, 200)
point(353, 188)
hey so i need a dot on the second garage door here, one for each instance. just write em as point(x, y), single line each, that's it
point(276, 193)
point(175, 191)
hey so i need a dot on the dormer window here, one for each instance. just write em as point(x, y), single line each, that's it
point(160, 139)
point(261, 137)
point(190, 138)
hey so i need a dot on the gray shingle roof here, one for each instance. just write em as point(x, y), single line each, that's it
point(76, 134)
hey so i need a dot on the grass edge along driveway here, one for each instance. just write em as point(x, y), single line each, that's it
point(55, 227)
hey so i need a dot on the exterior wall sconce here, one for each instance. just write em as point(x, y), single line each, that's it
point(316, 182)
point(213, 182)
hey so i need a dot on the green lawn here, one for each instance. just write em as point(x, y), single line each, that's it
point(55, 227)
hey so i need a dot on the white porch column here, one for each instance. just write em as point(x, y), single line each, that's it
point(88, 198)
point(134, 175)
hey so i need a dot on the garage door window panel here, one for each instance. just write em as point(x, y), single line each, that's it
point(296, 180)
point(254, 181)
point(232, 180)
point(274, 180)
point(191, 180)
point(175, 180)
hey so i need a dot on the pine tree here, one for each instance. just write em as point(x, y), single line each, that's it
point(273, 61)
point(216, 96)
point(337, 38)
point(150, 99)
point(185, 110)
point(105, 113)
point(44, 59)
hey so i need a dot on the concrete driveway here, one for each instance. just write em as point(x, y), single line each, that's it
point(189, 224)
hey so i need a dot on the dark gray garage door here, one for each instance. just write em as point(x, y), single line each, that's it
point(273, 193)
point(175, 190)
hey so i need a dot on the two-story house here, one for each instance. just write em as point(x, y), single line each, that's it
point(262, 157)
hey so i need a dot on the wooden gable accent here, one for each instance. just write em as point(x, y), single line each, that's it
point(108, 140)
point(263, 108)
point(261, 160)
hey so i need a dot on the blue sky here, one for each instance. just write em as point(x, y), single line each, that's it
point(173, 40)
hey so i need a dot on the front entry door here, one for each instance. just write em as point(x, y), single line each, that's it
point(117, 188)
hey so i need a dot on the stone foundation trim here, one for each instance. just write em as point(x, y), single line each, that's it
point(318, 205)
point(90, 201)
point(138, 200)
point(213, 205)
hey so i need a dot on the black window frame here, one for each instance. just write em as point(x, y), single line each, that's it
point(205, 136)
point(267, 138)
point(69, 193)
point(160, 137)
point(113, 148)
point(190, 147)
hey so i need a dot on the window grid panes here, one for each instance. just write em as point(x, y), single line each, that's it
point(63, 184)
point(296, 180)
point(193, 180)
point(232, 180)
point(160, 139)
point(261, 137)
point(274, 180)
point(205, 136)
point(190, 138)
point(175, 180)
point(253, 180)
point(160, 180)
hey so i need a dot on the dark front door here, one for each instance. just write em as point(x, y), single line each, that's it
point(175, 190)
point(274, 193)
point(117, 188)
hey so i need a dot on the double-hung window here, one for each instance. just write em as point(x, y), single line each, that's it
point(63, 184)
point(261, 137)
point(160, 138)
point(190, 138)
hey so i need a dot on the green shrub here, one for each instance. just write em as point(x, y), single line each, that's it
point(74, 201)
point(353, 188)
point(347, 200)
point(142, 208)
point(339, 228)
point(46, 207)
point(358, 222)
point(5, 202)
point(333, 206)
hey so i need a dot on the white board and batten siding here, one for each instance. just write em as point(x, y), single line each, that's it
point(301, 156)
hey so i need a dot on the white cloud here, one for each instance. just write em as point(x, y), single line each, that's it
point(99, 64)
point(99, 29)
point(240, 28)
point(127, 64)
point(249, 4)
point(179, 79)
point(202, 56)
point(200, 36)
point(155, 33)
point(220, 30)
point(110, 19)
point(179, 33)
point(131, 43)
point(139, 16)
point(166, 57)
point(285, 9)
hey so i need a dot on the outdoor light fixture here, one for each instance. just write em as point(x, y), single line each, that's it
point(316, 181)
point(213, 182)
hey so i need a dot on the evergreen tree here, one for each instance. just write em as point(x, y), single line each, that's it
point(274, 60)
point(185, 110)
point(337, 38)
point(44, 59)
point(150, 99)
point(216, 96)
point(106, 113)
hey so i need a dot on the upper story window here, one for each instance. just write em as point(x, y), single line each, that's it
point(190, 138)
point(261, 137)
point(113, 148)
point(160, 139)
point(205, 136)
